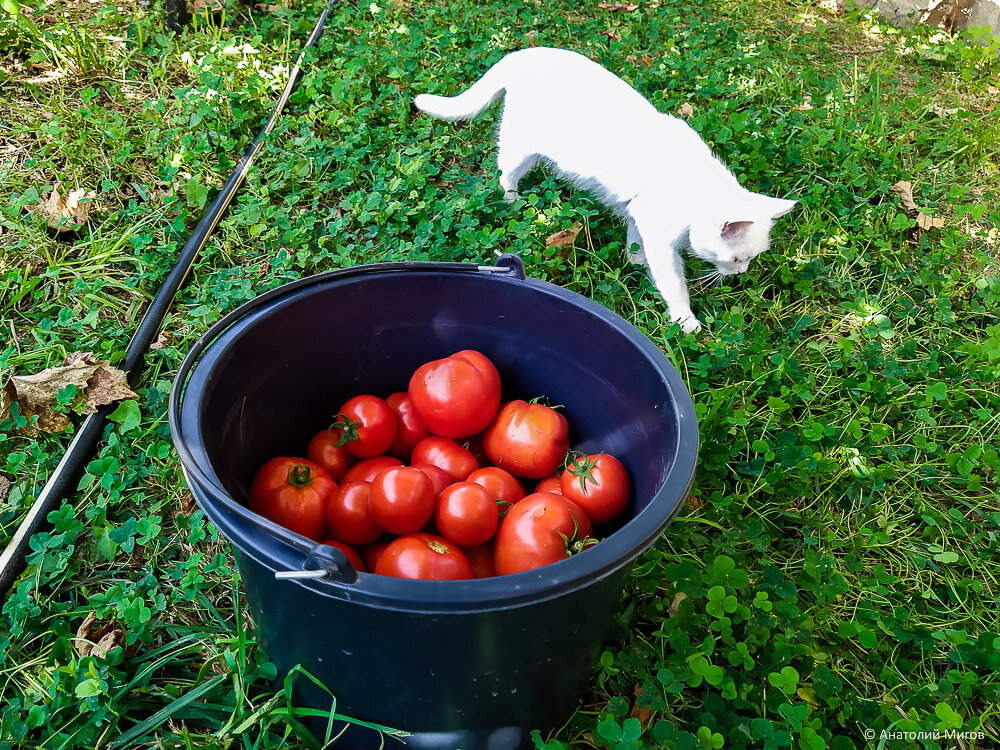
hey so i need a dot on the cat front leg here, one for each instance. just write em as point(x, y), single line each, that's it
point(666, 267)
point(633, 243)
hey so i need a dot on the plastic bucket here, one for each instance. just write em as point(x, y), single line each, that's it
point(459, 664)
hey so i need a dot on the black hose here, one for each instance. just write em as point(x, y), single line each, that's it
point(64, 478)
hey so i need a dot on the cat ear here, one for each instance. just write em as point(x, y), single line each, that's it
point(735, 232)
point(776, 207)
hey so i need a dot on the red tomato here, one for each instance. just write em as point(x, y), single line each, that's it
point(372, 552)
point(367, 470)
point(456, 396)
point(445, 454)
point(349, 517)
point(540, 529)
point(423, 556)
point(528, 440)
point(467, 514)
point(500, 484)
point(438, 476)
point(352, 554)
point(410, 428)
point(551, 484)
point(480, 558)
point(293, 492)
point(325, 449)
point(402, 499)
point(367, 425)
point(598, 483)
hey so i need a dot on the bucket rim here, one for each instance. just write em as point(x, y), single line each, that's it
point(599, 561)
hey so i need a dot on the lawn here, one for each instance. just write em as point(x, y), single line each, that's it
point(834, 579)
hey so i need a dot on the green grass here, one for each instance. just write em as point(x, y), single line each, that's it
point(836, 570)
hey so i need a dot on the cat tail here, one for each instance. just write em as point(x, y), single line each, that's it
point(466, 105)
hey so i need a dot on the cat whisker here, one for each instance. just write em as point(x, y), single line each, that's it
point(708, 280)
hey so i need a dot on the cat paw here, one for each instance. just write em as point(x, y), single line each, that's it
point(688, 323)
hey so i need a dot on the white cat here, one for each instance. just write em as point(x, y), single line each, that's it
point(601, 135)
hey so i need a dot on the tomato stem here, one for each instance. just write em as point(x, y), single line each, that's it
point(348, 429)
point(581, 465)
point(299, 475)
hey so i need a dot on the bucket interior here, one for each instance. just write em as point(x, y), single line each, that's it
point(276, 377)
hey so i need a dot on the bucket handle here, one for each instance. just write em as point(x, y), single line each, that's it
point(323, 561)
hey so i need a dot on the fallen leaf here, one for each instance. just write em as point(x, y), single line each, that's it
point(5, 486)
point(614, 36)
point(96, 381)
point(36, 394)
point(627, 7)
point(187, 506)
point(531, 38)
point(929, 222)
point(686, 110)
point(925, 222)
point(565, 238)
point(107, 385)
point(162, 339)
point(806, 104)
point(905, 190)
point(676, 603)
point(642, 713)
point(67, 213)
point(95, 639)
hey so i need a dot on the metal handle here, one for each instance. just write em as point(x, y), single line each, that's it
point(323, 561)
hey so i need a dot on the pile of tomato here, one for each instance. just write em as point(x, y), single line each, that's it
point(433, 483)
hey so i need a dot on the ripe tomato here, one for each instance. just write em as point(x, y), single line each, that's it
point(423, 556)
point(349, 517)
point(438, 476)
point(456, 396)
point(598, 483)
point(467, 514)
point(528, 440)
point(372, 552)
point(540, 529)
point(293, 492)
point(326, 450)
point(401, 499)
point(352, 554)
point(501, 485)
point(367, 470)
point(480, 558)
point(551, 484)
point(410, 428)
point(445, 454)
point(367, 426)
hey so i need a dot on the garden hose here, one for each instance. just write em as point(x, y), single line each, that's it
point(64, 479)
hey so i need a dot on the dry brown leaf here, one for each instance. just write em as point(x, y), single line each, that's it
point(929, 222)
point(67, 213)
point(5, 486)
point(905, 190)
point(95, 639)
point(627, 7)
point(107, 385)
point(806, 105)
point(565, 238)
point(676, 603)
point(162, 339)
point(686, 110)
point(925, 222)
point(642, 713)
point(613, 36)
point(96, 381)
point(531, 38)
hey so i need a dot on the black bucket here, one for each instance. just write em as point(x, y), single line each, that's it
point(459, 664)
